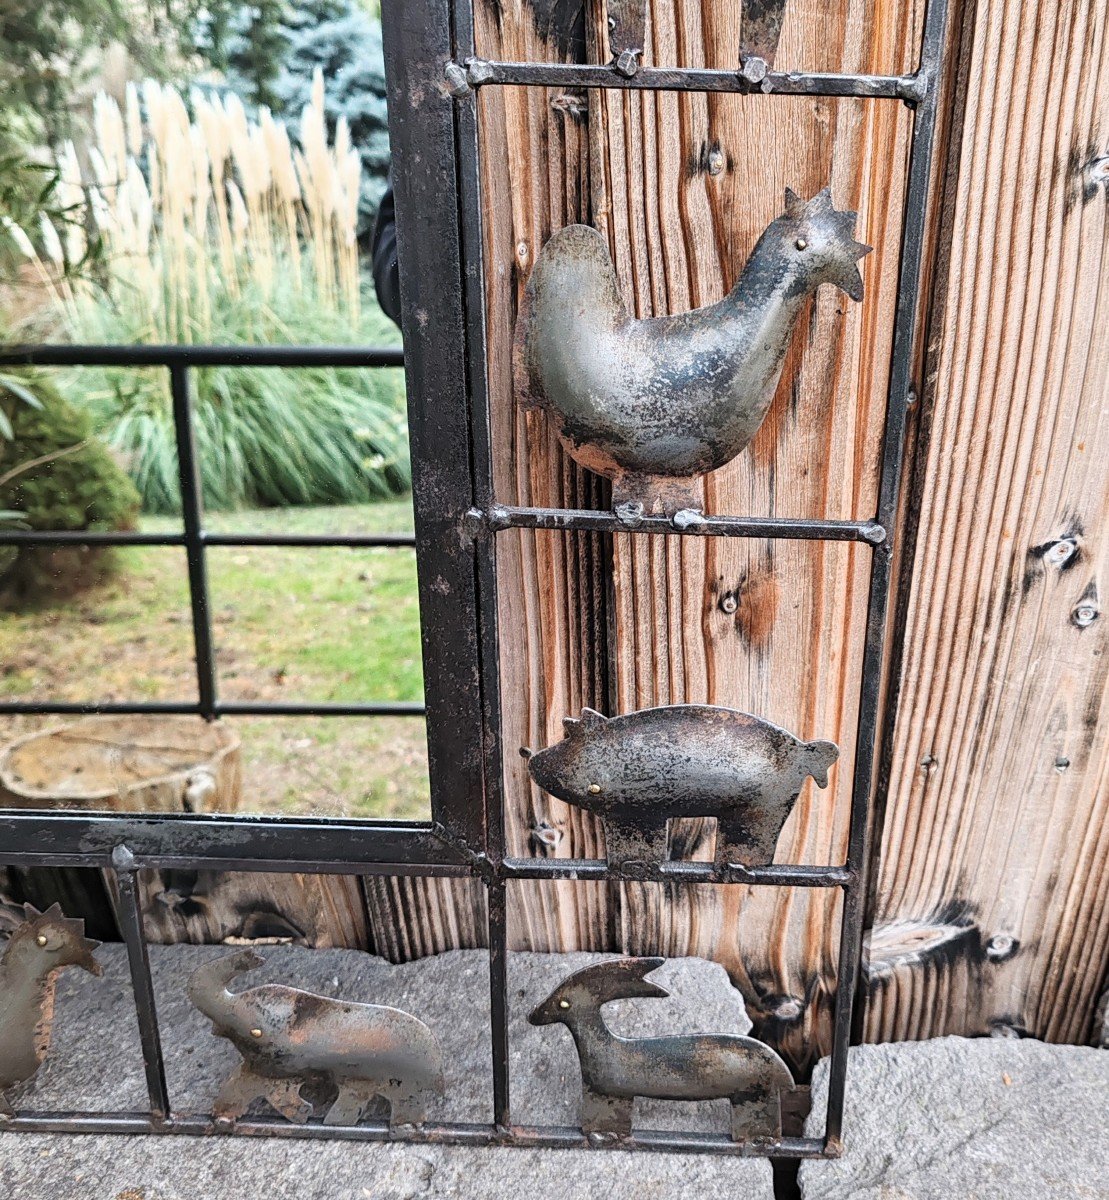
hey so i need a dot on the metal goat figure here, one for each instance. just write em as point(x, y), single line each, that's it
point(639, 770)
point(652, 403)
point(39, 948)
point(700, 1066)
point(289, 1038)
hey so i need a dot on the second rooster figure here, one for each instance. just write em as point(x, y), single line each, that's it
point(652, 403)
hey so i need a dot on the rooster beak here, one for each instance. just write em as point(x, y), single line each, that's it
point(851, 281)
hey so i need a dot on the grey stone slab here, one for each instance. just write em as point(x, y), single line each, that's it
point(52, 1167)
point(955, 1118)
point(94, 1061)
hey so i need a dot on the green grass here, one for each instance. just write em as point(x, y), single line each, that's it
point(289, 624)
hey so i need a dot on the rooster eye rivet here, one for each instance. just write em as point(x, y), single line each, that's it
point(564, 1004)
point(594, 789)
point(801, 243)
point(255, 1033)
point(41, 939)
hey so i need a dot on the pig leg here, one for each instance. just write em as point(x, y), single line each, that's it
point(605, 1114)
point(629, 847)
point(757, 1115)
point(6, 1109)
point(747, 837)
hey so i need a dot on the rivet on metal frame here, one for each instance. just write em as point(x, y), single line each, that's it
point(702, 1066)
point(639, 770)
point(289, 1039)
point(44, 944)
point(653, 403)
point(627, 34)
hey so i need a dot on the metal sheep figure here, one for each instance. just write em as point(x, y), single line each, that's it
point(39, 948)
point(700, 1066)
point(289, 1038)
point(651, 403)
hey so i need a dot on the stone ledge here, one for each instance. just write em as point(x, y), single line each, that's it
point(955, 1118)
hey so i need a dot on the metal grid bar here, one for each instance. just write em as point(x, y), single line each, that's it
point(690, 523)
point(899, 398)
point(142, 986)
point(81, 537)
point(48, 354)
point(446, 1133)
point(477, 72)
point(215, 708)
point(188, 470)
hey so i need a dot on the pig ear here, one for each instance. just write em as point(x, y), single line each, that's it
point(591, 719)
point(570, 726)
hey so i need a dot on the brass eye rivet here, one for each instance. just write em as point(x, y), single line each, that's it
point(564, 1004)
point(801, 243)
point(594, 789)
point(255, 1033)
point(41, 939)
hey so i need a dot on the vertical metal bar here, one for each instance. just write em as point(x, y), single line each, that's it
point(902, 367)
point(473, 262)
point(418, 47)
point(130, 920)
point(498, 1001)
point(192, 510)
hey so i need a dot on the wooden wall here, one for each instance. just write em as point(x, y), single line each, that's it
point(992, 896)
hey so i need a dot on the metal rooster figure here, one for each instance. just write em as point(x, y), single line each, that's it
point(650, 404)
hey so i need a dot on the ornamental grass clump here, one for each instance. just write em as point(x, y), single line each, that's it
point(215, 227)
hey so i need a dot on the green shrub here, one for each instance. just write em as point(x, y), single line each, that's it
point(57, 476)
point(264, 436)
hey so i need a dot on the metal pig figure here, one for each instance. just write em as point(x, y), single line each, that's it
point(652, 403)
point(700, 1066)
point(35, 953)
point(639, 770)
point(289, 1038)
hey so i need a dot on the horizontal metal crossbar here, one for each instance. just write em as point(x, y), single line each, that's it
point(679, 872)
point(81, 537)
point(46, 354)
point(218, 708)
point(447, 1133)
point(477, 72)
point(689, 523)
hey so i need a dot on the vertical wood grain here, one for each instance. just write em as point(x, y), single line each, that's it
point(1000, 779)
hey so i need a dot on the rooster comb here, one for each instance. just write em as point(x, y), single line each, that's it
point(820, 208)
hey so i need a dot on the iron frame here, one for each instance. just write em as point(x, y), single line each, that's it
point(430, 53)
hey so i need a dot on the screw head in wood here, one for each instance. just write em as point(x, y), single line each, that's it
point(41, 939)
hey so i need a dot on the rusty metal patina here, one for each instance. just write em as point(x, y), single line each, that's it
point(43, 945)
point(700, 1066)
point(652, 404)
point(291, 1039)
point(639, 770)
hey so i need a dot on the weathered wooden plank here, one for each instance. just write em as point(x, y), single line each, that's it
point(998, 814)
point(535, 178)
